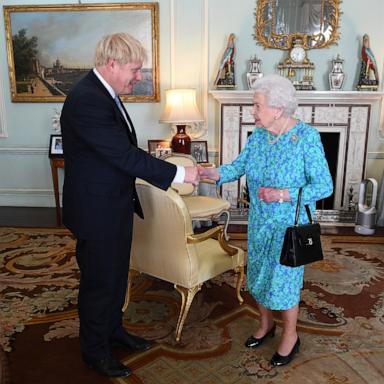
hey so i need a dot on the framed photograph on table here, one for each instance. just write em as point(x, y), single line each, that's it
point(159, 148)
point(199, 150)
point(51, 47)
point(56, 146)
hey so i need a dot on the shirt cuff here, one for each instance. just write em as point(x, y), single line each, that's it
point(180, 175)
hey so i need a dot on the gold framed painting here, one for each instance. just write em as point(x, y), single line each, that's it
point(51, 47)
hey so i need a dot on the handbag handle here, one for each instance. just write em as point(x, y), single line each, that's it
point(298, 209)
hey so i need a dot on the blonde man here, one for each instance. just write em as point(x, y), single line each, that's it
point(102, 160)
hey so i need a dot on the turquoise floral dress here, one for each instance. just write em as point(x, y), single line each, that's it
point(296, 160)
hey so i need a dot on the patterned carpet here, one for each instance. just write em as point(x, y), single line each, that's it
point(341, 321)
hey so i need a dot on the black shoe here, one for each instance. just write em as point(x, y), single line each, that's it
point(253, 342)
point(278, 360)
point(109, 367)
point(131, 342)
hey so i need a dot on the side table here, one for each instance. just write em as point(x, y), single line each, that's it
point(56, 163)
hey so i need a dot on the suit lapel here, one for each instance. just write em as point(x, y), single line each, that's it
point(131, 133)
point(130, 130)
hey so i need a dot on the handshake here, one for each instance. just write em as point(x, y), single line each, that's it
point(193, 175)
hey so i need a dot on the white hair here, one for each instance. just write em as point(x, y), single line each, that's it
point(279, 93)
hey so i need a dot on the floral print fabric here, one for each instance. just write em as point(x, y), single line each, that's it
point(296, 160)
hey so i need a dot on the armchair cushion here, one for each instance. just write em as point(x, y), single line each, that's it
point(200, 207)
point(213, 260)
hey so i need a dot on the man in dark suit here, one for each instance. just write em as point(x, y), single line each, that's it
point(102, 161)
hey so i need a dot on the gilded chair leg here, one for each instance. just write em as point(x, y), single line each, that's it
point(187, 296)
point(131, 274)
point(240, 278)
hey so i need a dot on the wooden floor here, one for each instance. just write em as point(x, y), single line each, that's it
point(46, 217)
point(27, 217)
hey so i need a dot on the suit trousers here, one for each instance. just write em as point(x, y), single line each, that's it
point(104, 266)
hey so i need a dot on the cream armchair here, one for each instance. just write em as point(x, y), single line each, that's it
point(200, 207)
point(164, 246)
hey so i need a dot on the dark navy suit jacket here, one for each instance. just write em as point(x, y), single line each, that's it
point(102, 161)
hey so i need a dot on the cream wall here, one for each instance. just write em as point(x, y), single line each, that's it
point(193, 35)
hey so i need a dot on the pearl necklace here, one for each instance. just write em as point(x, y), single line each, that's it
point(271, 140)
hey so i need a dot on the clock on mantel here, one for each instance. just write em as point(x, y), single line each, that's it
point(297, 67)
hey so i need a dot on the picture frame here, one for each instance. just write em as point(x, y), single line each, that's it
point(162, 152)
point(199, 150)
point(56, 62)
point(159, 147)
point(55, 146)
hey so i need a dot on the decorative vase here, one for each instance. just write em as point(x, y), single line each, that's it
point(254, 72)
point(336, 76)
point(181, 142)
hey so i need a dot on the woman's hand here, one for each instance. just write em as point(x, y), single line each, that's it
point(270, 195)
point(208, 173)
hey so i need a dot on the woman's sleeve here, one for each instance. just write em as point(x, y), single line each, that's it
point(233, 171)
point(319, 184)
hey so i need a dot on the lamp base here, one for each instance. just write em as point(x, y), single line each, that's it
point(181, 142)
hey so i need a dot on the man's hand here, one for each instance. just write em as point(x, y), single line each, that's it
point(208, 173)
point(191, 175)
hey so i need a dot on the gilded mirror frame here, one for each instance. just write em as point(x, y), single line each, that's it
point(284, 41)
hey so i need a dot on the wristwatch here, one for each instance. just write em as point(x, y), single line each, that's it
point(281, 194)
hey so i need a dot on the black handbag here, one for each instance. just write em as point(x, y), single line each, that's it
point(302, 244)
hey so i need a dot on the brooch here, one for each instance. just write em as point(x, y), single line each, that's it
point(294, 138)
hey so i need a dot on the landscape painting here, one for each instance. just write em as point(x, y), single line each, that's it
point(51, 47)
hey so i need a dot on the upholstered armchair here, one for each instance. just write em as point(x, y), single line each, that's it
point(164, 246)
point(200, 207)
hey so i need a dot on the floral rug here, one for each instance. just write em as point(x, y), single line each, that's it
point(341, 322)
point(38, 279)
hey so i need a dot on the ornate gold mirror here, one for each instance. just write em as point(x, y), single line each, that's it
point(280, 22)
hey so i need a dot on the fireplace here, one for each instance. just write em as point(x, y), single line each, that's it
point(342, 119)
point(331, 144)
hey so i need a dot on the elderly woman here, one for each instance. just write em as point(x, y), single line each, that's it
point(282, 155)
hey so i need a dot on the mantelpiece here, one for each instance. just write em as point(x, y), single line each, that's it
point(353, 118)
point(245, 97)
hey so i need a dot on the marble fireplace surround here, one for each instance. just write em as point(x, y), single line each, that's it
point(348, 114)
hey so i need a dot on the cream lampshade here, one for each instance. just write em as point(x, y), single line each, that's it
point(181, 109)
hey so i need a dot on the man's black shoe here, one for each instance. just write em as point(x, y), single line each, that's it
point(109, 367)
point(131, 342)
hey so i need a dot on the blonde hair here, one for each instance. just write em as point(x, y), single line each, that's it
point(121, 47)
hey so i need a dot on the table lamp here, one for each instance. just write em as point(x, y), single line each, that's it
point(181, 109)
